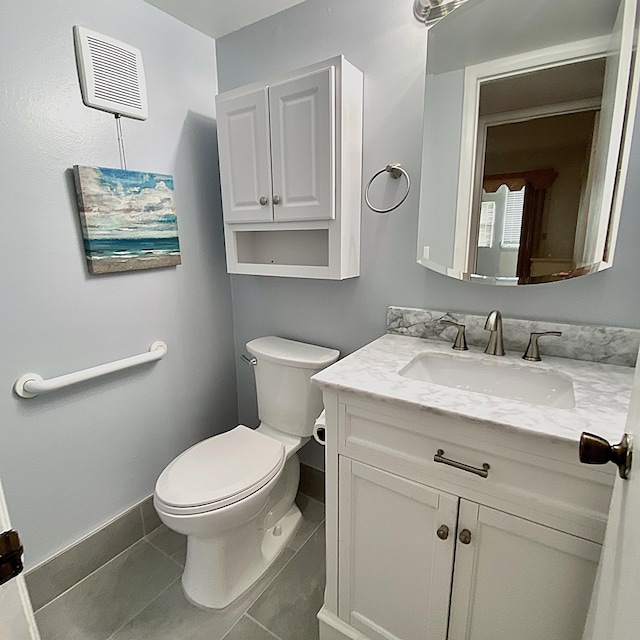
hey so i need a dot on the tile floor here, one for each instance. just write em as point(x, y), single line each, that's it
point(138, 596)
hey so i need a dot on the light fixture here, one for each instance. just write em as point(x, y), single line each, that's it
point(429, 11)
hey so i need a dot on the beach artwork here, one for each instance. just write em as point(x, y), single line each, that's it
point(128, 219)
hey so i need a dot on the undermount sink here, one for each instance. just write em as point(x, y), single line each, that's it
point(493, 378)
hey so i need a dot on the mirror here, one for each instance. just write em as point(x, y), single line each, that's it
point(527, 123)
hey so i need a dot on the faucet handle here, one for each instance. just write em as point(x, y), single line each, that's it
point(460, 343)
point(533, 352)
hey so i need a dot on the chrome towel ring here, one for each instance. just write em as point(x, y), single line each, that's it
point(395, 170)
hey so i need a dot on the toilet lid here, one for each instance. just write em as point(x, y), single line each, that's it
point(220, 470)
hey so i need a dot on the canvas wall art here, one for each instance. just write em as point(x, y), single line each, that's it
point(128, 219)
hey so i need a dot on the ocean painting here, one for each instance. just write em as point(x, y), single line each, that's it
point(128, 219)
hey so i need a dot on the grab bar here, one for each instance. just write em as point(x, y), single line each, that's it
point(31, 384)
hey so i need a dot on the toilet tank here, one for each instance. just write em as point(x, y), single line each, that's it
point(287, 401)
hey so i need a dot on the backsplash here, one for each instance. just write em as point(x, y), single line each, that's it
point(610, 345)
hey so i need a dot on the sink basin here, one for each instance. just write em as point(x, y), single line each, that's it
point(493, 378)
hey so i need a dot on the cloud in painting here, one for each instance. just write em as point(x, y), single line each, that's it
point(127, 203)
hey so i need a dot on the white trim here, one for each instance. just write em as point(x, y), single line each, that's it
point(620, 119)
point(625, 154)
point(332, 628)
point(14, 592)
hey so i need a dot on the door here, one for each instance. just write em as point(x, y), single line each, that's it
point(518, 579)
point(303, 147)
point(16, 615)
point(245, 157)
point(396, 542)
point(615, 612)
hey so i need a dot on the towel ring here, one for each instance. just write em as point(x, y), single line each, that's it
point(396, 171)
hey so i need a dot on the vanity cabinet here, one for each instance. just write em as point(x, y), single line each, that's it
point(413, 553)
point(395, 577)
point(421, 550)
point(514, 578)
point(290, 170)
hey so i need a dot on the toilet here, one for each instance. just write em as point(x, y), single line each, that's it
point(233, 495)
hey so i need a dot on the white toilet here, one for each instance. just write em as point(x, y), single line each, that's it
point(233, 495)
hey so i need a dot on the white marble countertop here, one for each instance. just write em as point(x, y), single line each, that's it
point(602, 391)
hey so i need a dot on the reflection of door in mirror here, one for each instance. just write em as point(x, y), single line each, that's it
point(541, 150)
point(496, 70)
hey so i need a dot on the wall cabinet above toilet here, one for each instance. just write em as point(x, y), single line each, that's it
point(291, 172)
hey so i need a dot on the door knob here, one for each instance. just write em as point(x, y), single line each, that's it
point(10, 555)
point(596, 450)
point(465, 536)
point(276, 199)
point(264, 200)
point(443, 532)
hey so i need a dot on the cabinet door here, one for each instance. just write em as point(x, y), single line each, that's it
point(394, 576)
point(519, 579)
point(303, 147)
point(245, 161)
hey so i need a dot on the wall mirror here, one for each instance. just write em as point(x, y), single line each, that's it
point(527, 123)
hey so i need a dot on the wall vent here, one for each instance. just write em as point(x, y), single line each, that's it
point(111, 74)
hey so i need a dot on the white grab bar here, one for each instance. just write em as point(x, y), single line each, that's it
point(31, 384)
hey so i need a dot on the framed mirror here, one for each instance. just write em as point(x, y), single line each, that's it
point(528, 116)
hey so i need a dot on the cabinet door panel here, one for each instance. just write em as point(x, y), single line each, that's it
point(303, 147)
point(518, 579)
point(245, 163)
point(395, 572)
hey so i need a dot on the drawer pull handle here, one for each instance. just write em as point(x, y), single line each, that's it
point(483, 473)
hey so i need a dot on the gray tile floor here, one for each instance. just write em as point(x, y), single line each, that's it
point(138, 595)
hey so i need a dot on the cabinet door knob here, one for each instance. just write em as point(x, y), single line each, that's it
point(264, 201)
point(443, 532)
point(276, 199)
point(465, 536)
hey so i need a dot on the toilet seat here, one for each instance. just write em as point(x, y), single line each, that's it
point(219, 471)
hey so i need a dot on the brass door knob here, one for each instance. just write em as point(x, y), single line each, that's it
point(596, 450)
point(443, 532)
point(10, 555)
point(465, 536)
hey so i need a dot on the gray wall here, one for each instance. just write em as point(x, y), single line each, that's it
point(74, 459)
point(388, 45)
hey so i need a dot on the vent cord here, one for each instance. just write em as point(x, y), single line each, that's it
point(123, 157)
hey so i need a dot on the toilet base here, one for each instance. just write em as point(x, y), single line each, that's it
point(236, 558)
point(230, 548)
point(277, 538)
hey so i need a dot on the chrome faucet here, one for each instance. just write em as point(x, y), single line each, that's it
point(495, 347)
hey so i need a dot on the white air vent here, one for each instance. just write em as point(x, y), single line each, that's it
point(111, 74)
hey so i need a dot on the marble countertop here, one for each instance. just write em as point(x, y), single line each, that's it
point(602, 391)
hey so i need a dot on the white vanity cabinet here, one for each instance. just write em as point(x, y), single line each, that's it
point(290, 169)
point(514, 578)
point(421, 550)
point(394, 578)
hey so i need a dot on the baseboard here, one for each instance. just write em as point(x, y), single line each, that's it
point(311, 482)
point(60, 572)
point(57, 574)
point(332, 628)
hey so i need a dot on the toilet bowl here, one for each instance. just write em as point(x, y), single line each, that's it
point(233, 494)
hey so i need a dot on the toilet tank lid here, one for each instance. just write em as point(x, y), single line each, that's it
point(292, 353)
